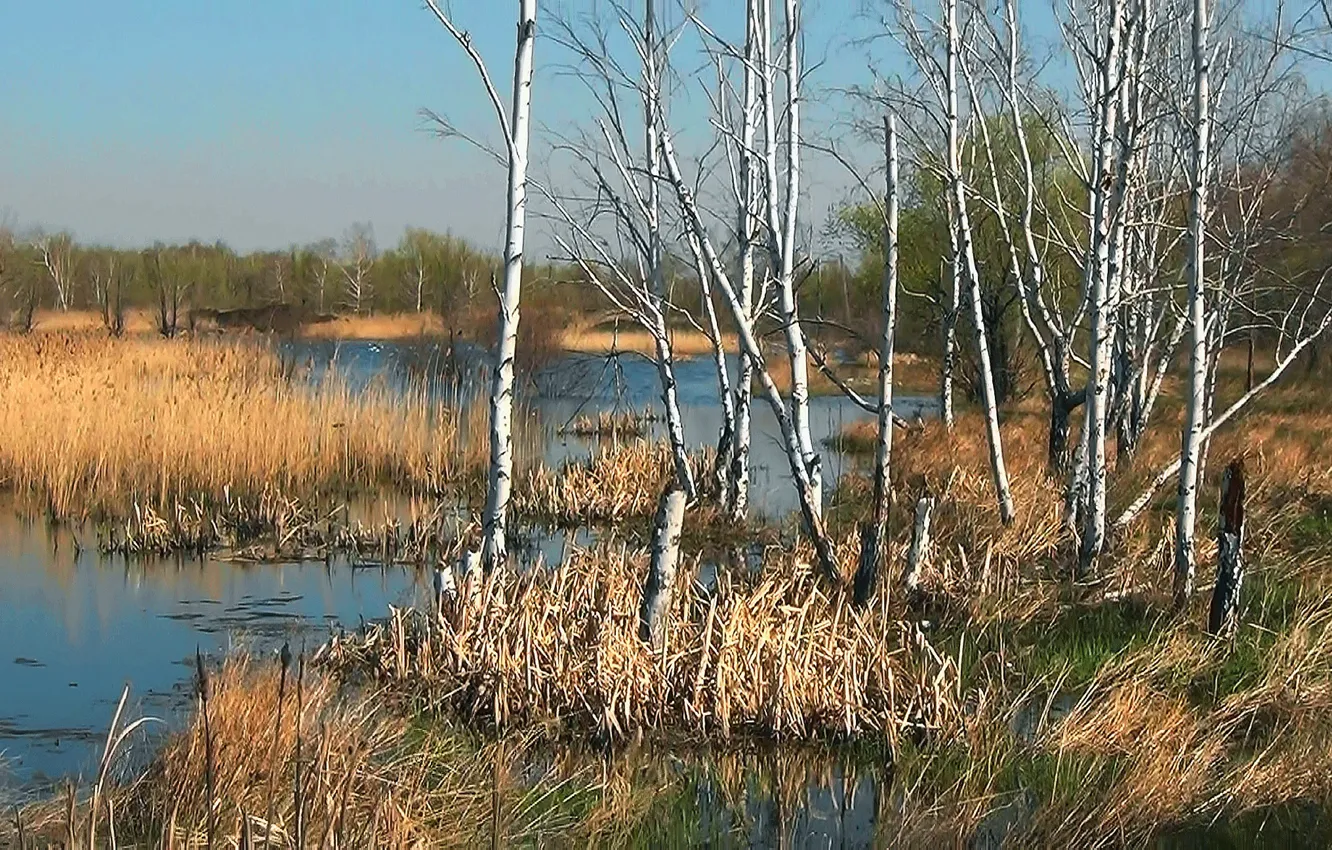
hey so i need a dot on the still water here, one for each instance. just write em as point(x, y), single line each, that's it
point(76, 626)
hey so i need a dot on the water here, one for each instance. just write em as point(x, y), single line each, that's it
point(582, 384)
point(75, 626)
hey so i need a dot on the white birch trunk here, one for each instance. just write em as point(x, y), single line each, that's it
point(500, 485)
point(962, 225)
point(656, 604)
point(1098, 272)
point(1186, 516)
point(948, 363)
point(726, 439)
point(747, 226)
point(782, 227)
point(657, 298)
point(918, 555)
point(800, 472)
point(874, 534)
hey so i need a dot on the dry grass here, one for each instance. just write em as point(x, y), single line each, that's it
point(685, 342)
point(138, 322)
point(1100, 714)
point(1092, 712)
point(96, 424)
point(612, 425)
point(615, 483)
point(367, 777)
point(378, 327)
point(776, 656)
point(912, 375)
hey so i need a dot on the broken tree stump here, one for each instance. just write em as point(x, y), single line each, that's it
point(918, 555)
point(1229, 552)
point(661, 570)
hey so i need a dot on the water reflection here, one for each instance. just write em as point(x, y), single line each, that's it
point(581, 384)
point(766, 797)
point(75, 627)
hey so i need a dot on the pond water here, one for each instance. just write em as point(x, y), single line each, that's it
point(76, 626)
point(587, 384)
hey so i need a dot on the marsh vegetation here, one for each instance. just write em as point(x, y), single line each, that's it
point(1016, 531)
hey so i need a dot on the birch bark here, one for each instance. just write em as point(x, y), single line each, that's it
point(1186, 513)
point(874, 535)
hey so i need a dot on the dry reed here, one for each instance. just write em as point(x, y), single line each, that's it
point(776, 656)
point(599, 340)
point(96, 424)
point(614, 483)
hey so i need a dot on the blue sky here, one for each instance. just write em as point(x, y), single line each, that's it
point(269, 122)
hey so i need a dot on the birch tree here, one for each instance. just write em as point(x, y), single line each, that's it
point(1186, 516)
point(736, 116)
point(782, 204)
point(800, 471)
point(624, 182)
point(57, 258)
point(874, 534)
point(515, 126)
point(940, 105)
point(358, 257)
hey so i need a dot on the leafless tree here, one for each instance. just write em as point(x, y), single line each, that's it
point(515, 125)
point(358, 256)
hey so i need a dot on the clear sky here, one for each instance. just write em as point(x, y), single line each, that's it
point(263, 122)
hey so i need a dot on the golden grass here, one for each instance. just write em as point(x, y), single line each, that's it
point(685, 342)
point(615, 483)
point(612, 424)
point(97, 424)
point(138, 321)
point(912, 375)
point(777, 656)
point(1163, 727)
point(379, 327)
point(368, 778)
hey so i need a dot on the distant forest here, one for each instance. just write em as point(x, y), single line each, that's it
point(445, 275)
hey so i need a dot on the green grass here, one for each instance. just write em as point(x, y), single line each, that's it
point(1079, 642)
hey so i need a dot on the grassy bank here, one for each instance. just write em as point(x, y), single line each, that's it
point(1092, 713)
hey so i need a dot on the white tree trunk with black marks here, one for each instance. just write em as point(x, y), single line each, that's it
point(918, 555)
point(1186, 512)
point(1099, 285)
point(874, 534)
point(747, 225)
point(800, 472)
point(965, 253)
point(782, 222)
point(656, 604)
point(516, 126)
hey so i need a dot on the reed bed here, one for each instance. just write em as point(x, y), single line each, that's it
point(270, 762)
point(378, 327)
point(685, 342)
point(95, 425)
point(612, 425)
point(776, 657)
point(613, 484)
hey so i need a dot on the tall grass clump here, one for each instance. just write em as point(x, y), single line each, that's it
point(96, 425)
point(773, 655)
point(284, 763)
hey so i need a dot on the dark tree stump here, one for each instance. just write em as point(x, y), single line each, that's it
point(1230, 558)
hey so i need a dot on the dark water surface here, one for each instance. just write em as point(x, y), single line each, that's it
point(76, 627)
